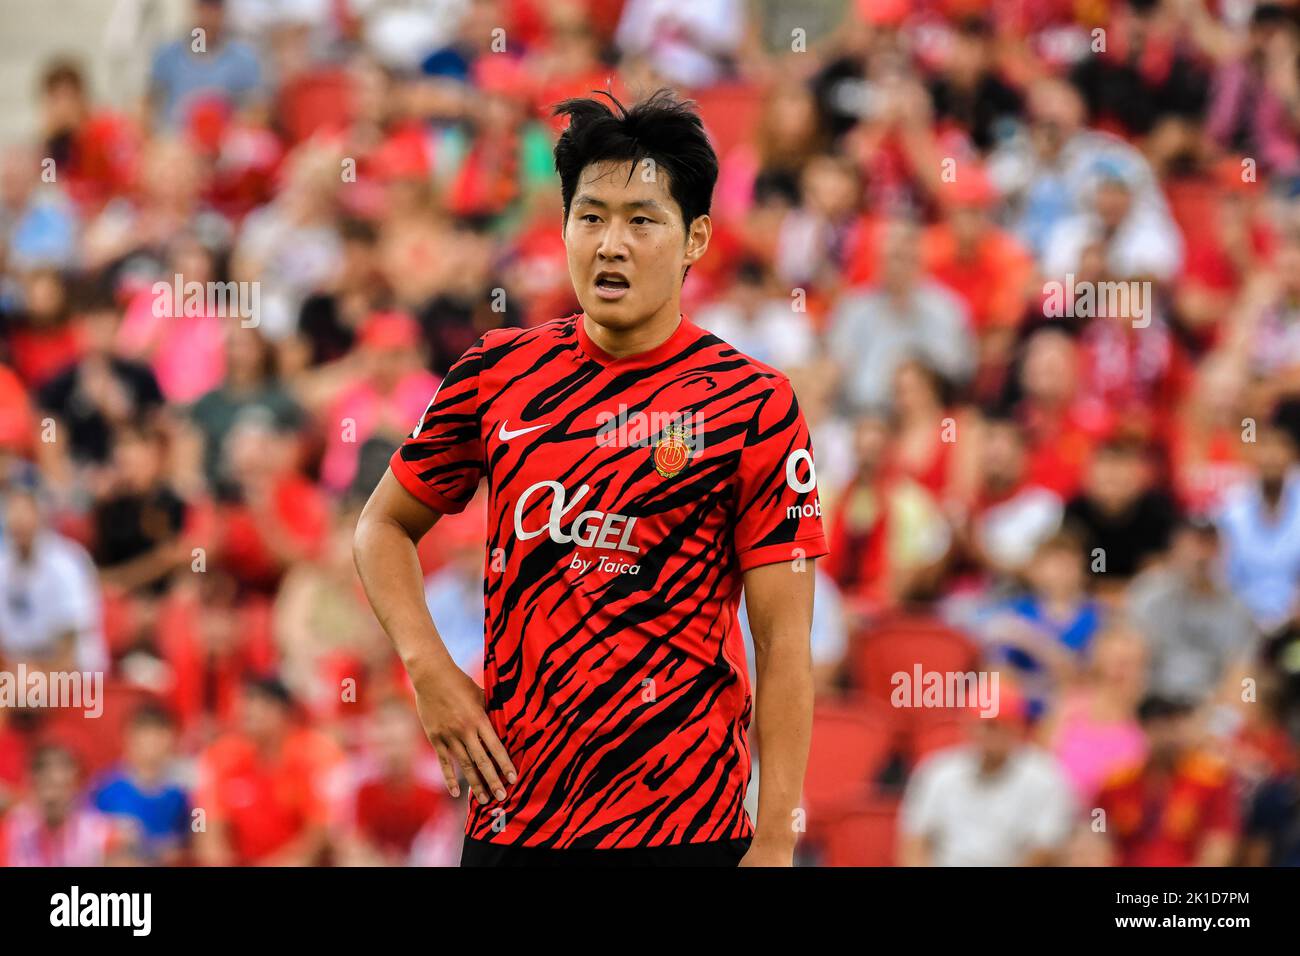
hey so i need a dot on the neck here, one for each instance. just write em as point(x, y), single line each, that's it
point(642, 337)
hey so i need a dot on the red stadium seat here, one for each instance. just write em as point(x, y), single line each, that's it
point(898, 643)
point(321, 99)
point(730, 112)
point(866, 836)
point(852, 742)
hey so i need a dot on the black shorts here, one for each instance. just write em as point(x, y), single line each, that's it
point(718, 853)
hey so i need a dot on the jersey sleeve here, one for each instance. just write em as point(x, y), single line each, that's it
point(442, 460)
point(778, 512)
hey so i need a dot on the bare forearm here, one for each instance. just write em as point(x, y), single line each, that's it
point(389, 567)
point(784, 699)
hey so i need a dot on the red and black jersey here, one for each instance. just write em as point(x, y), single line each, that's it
point(626, 498)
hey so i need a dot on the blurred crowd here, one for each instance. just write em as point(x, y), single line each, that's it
point(1098, 502)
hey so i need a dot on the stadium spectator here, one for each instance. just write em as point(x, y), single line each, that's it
point(54, 827)
point(205, 63)
point(1175, 808)
point(1260, 528)
point(401, 814)
point(1011, 514)
point(1094, 731)
point(266, 789)
point(1197, 633)
point(1001, 801)
point(141, 790)
point(36, 562)
point(100, 391)
point(1124, 516)
point(906, 314)
point(1042, 637)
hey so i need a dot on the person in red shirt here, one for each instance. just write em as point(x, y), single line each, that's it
point(95, 152)
point(616, 699)
point(266, 788)
point(1178, 808)
point(1062, 426)
point(985, 265)
point(400, 812)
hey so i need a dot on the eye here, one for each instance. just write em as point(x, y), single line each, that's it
point(590, 217)
point(641, 220)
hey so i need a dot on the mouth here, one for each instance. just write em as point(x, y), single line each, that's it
point(611, 286)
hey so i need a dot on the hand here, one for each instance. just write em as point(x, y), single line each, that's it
point(450, 706)
point(768, 853)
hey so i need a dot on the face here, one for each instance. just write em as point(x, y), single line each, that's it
point(1003, 454)
point(1196, 550)
point(1120, 662)
point(913, 388)
point(22, 519)
point(1273, 455)
point(137, 461)
point(900, 256)
point(1116, 478)
point(1167, 737)
point(1049, 369)
point(627, 245)
point(55, 785)
point(1113, 203)
point(149, 744)
point(63, 105)
point(1057, 571)
point(98, 330)
point(995, 738)
point(263, 717)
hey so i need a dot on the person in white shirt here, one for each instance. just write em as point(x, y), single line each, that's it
point(997, 801)
point(50, 613)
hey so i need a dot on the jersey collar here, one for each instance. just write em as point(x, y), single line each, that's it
point(685, 333)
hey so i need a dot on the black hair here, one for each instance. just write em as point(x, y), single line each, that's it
point(269, 688)
point(50, 753)
point(359, 231)
point(1157, 707)
point(661, 128)
point(152, 714)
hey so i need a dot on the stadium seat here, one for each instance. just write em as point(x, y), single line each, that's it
point(865, 836)
point(897, 643)
point(321, 99)
point(730, 112)
point(852, 743)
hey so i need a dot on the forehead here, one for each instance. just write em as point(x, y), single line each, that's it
point(620, 184)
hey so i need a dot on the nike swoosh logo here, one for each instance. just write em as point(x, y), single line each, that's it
point(505, 434)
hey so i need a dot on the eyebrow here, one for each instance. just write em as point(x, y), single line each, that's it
point(585, 200)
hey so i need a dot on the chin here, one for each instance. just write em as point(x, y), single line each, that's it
point(619, 316)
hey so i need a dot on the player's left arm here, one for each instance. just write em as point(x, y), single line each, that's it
point(779, 599)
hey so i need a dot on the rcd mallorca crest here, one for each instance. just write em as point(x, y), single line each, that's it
point(672, 448)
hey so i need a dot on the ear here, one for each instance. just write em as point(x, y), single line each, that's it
point(698, 235)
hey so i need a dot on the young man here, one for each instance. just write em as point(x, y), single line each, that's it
point(640, 473)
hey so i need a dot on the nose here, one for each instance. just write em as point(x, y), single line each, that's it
point(613, 242)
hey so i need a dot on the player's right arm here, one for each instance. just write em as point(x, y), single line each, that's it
point(435, 472)
point(450, 704)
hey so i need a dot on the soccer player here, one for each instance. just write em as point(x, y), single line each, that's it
point(640, 473)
